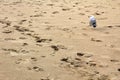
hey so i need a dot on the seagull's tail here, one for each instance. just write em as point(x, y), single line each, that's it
point(94, 25)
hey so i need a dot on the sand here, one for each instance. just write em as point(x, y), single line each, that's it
point(52, 40)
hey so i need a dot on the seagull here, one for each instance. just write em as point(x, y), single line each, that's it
point(92, 21)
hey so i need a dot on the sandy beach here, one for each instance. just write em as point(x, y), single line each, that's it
point(52, 40)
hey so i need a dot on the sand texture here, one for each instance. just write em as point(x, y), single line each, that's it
point(52, 40)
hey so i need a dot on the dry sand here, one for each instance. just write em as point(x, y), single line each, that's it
point(51, 40)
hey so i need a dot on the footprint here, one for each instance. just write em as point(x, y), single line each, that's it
point(39, 40)
point(7, 39)
point(110, 26)
point(8, 23)
point(33, 58)
point(22, 21)
point(18, 61)
point(98, 13)
point(113, 60)
point(21, 29)
point(95, 40)
point(23, 51)
point(74, 6)
point(37, 15)
point(50, 4)
point(70, 18)
point(12, 50)
point(65, 9)
point(117, 26)
point(37, 69)
point(61, 47)
point(65, 59)
point(119, 69)
point(72, 62)
point(40, 45)
point(81, 13)
point(92, 64)
point(55, 12)
point(24, 44)
point(77, 3)
point(7, 31)
point(16, 51)
point(78, 59)
point(45, 79)
point(22, 61)
point(57, 47)
point(80, 54)
point(48, 27)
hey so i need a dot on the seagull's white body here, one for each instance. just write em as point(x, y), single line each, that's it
point(92, 21)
